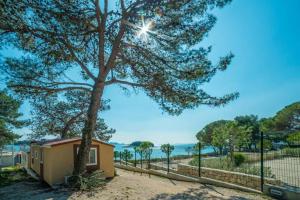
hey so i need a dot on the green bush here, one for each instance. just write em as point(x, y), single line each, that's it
point(238, 159)
point(291, 152)
point(87, 181)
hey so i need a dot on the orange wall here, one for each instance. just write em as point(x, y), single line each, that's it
point(107, 160)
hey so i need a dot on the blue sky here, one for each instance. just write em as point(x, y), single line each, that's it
point(264, 36)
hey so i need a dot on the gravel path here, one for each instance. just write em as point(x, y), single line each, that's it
point(128, 185)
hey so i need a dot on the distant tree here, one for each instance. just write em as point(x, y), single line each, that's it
point(230, 136)
point(220, 137)
point(65, 117)
point(288, 119)
point(126, 155)
point(167, 149)
point(189, 150)
point(251, 122)
point(116, 154)
point(135, 144)
point(9, 118)
point(146, 148)
point(205, 135)
point(104, 47)
point(294, 138)
point(267, 144)
point(285, 122)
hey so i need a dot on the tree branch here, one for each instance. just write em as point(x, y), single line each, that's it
point(81, 64)
point(49, 90)
point(114, 81)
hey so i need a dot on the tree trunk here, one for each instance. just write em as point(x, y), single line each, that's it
point(89, 128)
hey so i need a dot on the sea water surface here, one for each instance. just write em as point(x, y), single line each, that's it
point(179, 149)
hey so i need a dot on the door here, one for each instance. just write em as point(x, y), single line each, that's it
point(42, 171)
point(41, 165)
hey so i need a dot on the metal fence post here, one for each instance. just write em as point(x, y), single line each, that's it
point(168, 158)
point(199, 159)
point(149, 161)
point(261, 161)
point(134, 157)
point(141, 160)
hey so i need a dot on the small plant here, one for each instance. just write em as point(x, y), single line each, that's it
point(238, 159)
point(87, 181)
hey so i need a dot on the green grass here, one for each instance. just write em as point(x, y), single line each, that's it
point(10, 175)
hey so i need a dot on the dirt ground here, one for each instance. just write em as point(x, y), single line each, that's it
point(128, 185)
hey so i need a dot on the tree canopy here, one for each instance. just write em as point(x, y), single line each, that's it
point(65, 117)
point(167, 149)
point(205, 134)
point(151, 46)
point(9, 118)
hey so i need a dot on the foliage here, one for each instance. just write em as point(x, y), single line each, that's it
point(285, 122)
point(9, 118)
point(205, 135)
point(116, 154)
point(295, 152)
point(167, 149)
point(238, 159)
point(146, 148)
point(230, 135)
point(267, 145)
point(126, 155)
point(288, 119)
point(135, 144)
point(104, 47)
point(251, 122)
point(65, 117)
point(87, 181)
point(12, 175)
point(294, 138)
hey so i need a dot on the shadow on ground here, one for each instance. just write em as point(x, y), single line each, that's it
point(32, 190)
point(197, 193)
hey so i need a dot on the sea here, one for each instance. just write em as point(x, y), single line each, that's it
point(179, 149)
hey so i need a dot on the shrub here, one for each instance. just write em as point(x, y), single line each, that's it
point(291, 152)
point(239, 159)
point(87, 181)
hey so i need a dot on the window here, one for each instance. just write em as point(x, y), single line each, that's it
point(92, 159)
point(36, 155)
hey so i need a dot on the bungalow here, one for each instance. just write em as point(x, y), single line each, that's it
point(54, 160)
